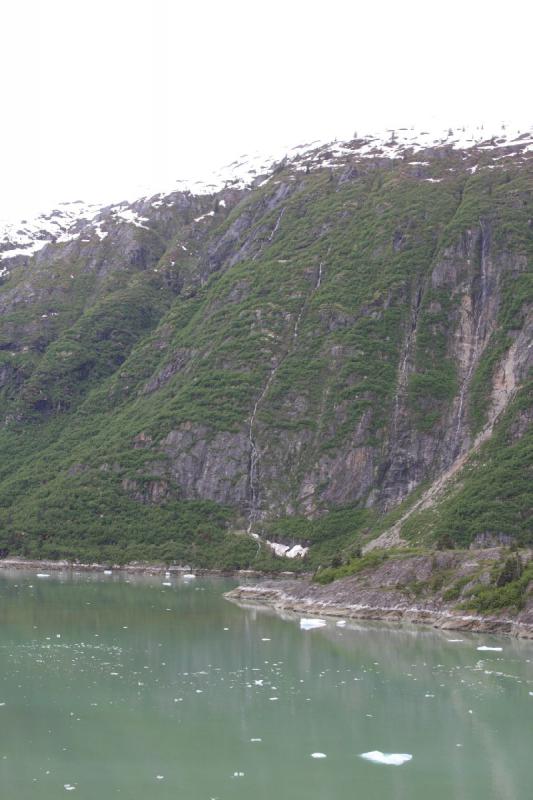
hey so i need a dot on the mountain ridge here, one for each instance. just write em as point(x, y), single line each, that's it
point(296, 356)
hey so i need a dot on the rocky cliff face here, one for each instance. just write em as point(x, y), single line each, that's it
point(352, 331)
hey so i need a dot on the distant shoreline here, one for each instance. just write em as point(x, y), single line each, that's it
point(133, 569)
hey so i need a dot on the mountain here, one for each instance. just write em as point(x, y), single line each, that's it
point(328, 352)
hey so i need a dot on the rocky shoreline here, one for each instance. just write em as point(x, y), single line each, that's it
point(388, 592)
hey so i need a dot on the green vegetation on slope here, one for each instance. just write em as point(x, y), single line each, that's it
point(158, 343)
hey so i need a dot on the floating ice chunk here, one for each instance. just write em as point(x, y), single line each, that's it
point(3, 704)
point(256, 740)
point(392, 759)
point(456, 640)
point(530, 693)
point(68, 787)
point(273, 698)
point(340, 623)
point(238, 774)
point(264, 639)
point(188, 576)
point(167, 584)
point(43, 575)
point(160, 777)
point(318, 755)
point(108, 571)
point(484, 647)
point(259, 682)
point(307, 624)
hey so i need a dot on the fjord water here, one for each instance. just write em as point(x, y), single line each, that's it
point(123, 687)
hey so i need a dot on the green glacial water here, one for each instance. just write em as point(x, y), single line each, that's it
point(123, 687)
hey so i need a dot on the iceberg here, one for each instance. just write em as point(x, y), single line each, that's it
point(392, 759)
point(307, 624)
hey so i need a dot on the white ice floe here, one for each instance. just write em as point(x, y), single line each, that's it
point(340, 623)
point(456, 640)
point(108, 571)
point(43, 575)
point(496, 649)
point(256, 739)
point(318, 755)
point(308, 624)
point(188, 576)
point(69, 787)
point(166, 583)
point(392, 759)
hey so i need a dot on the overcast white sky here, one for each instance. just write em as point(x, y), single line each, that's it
point(102, 97)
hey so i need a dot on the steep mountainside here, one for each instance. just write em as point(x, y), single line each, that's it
point(337, 351)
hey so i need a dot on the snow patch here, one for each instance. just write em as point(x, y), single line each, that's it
point(296, 551)
point(204, 216)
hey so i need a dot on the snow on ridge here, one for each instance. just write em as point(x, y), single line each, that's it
point(394, 143)
point(27, 237)
point(124, 213)
point(72, 220)
point(69, 221)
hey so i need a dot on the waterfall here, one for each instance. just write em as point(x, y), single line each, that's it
point(478, 339)
point(402, 369)
point(255, 453)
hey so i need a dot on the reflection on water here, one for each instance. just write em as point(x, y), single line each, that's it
point(114, 686)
